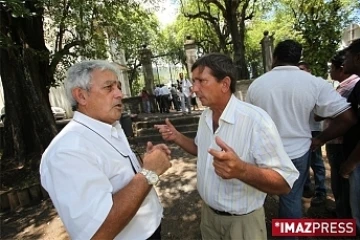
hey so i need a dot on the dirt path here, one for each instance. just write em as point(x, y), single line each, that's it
point(179, 196)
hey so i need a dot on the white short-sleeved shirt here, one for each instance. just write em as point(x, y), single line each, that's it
point(289, 95)
point(81, 172)
point(315, 126)
point(186, 85)
point(164, 90)
point(252, 134)
point(157, 91)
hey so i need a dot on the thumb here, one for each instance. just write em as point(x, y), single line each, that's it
point(168, 123)
point(149, 146)
point(222, 144)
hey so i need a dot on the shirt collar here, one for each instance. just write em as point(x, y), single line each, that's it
point(228, 115)
point(348, 80)
point(102, 128)
point(288, 67)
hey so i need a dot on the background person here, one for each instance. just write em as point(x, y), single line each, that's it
point(351, 167)
point(334, 148)
point(316, 159)
point(289, 95)
point(145, 100)
point(186, 90)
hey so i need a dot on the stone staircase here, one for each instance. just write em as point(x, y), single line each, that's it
point(144, 128)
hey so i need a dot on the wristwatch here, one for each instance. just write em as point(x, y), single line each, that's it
point(151, 177)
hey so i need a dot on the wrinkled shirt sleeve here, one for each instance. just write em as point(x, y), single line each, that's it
point(80, 191)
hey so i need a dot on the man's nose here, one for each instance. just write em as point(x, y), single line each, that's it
point(195, 88)
point(118, 93)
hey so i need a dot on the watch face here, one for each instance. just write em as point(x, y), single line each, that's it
point(153, 178)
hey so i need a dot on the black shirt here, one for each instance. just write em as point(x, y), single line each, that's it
point(352, 136)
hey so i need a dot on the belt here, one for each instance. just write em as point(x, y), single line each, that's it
point(226, 213)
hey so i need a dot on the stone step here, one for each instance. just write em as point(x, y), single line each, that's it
point(153, 131)
point(156, 138)
point(180, 120)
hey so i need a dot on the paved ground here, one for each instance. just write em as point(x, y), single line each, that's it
point(178, 194)
point(177, 191)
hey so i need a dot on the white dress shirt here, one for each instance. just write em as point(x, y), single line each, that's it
point(81, 172)
point(289, 95)
point(157, 91)
point(252, 134)
point(164, 90)
point(186, 85)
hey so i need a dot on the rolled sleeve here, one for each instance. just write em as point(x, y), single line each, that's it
point(269, 152)
point(329, 102)
point(79, 189)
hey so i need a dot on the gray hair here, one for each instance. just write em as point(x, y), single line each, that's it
point(80, 75)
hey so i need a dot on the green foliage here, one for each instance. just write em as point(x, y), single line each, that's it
point(280, 25)
point(205, 23)
point(316, 24)
point(320, 23)
point(98, 29)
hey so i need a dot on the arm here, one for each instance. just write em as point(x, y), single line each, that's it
point(186, 143)
point(228, 165)
point(318, 118)
point(265, 180)
point(338, 127)
point(79, 187)
point(354, 159)
point(126, 203)
point(128, 200)
point(329, 103)
point(169, 133)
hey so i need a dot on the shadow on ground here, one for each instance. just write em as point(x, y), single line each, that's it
point(178, 194)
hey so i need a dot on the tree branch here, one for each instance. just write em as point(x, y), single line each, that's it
point(60, 54)
point(243, 10)
point(251, 15)
point(59, 37)
point(218, 4)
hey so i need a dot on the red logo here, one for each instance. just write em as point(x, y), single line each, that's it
point(313, 227)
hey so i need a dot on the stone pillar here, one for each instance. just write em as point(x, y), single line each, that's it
point(190, 52)
point(145, 60)
point(267, 48)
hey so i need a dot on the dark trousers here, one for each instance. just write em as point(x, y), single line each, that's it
point(317, 165)
point(156, 235)
point(339, 185)
point(158, 103)
point(164, 103)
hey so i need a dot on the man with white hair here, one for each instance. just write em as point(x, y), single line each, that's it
point(98, 186)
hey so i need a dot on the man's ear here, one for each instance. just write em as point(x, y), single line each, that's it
point(226, 84)
point(80, 95)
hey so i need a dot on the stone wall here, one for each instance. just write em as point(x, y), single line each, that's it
point(134, 104)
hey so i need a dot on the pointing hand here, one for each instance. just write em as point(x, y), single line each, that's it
point(167, 130)
point(226, 163)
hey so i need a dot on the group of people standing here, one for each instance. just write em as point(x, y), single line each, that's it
point(294, 100)
point(178, 97)
point(245, 150)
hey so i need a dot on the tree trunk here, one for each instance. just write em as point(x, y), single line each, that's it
point(254, 69)
point(239, 52)
point(237, 31)
point(29, 124)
